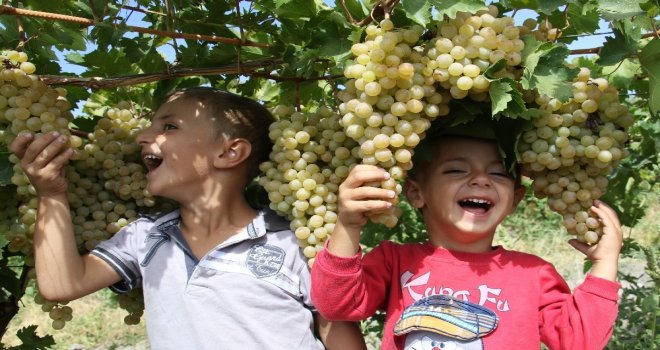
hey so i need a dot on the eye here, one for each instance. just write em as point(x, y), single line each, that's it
point(453, 171)
point(169, 126)
point(499, 173)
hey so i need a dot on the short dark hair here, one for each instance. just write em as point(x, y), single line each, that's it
point(424, 154)
point(238, 117)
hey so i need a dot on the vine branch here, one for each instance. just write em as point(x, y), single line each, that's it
point(145, 11)
point(596, 50)
point(8, 10)
point(126, 80)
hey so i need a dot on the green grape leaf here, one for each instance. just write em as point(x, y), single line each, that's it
point(582, 19)
point(507, 132)
point(419, 11)
point(548, 73)
point(105, 64)
point(10, 284)
point(506, 98)
point(650, 60)
point(297, 9)
point(6, 169)
point(268, 92)
point(531, 113)
point(450, 7)
point(3, 244)
point(356, 8)
point(622, 45)
point(31, 340)
point(613, 10)
point(330, 35)
point(622, 74)
point(74, 58)
point(531, 54)
point(544, 6)
point(555, 81)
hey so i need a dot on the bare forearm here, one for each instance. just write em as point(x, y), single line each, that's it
point(340, 335)
point(345, 241)
point(605, 269)
point(59, 265)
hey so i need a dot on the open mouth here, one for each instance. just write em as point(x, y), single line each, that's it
point(476, 205)
point(151, 161)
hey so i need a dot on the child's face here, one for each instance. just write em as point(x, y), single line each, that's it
point(178, 148)
point(464, 193)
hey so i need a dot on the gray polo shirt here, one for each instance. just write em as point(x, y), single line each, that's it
point(250, 292)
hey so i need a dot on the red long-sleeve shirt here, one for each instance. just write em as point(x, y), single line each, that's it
point(532, 301)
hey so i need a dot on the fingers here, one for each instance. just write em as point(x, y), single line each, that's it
point(606, 214)
point(357, 186)
point(21, 143)
point(358, 198)
point(362, 174)
point(45, 148)
point(44, 154)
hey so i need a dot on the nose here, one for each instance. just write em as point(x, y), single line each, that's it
point(480, 178)
point(144, 136)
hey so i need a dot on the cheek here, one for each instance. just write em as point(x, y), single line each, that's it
point(201, 164)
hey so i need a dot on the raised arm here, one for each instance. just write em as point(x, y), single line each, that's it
point(62, 274)
point(604, 255)
point(356, 202)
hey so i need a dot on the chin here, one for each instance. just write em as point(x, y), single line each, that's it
point(476, 229)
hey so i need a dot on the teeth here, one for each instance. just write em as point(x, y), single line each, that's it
point(151, 157)
point(477, 200)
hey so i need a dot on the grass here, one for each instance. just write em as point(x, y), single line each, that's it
point(98, 323)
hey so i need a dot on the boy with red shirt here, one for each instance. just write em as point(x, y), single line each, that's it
point(457, 291)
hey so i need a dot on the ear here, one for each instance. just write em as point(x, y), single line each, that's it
point(414, 193)
point(518, 195)
point(231, 153)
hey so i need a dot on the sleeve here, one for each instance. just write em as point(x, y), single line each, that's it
point(353, 288)
point(581, 321)
point(306, 285)
point(120, 252)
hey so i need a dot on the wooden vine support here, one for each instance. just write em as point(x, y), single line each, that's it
point(112, 82)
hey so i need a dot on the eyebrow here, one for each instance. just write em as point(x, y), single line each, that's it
point(464, 159)
point(164, 117)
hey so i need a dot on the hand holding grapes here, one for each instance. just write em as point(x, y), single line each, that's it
point(358, 200)
point(43, 159)
point(605, 254)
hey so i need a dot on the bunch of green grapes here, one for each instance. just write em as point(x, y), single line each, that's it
point(60, 313)
point(108, 183)
point(9, 224)
point(388, 103)
point(465, 46)
point(572, 147)
point(133, 302)
point(27, 105)
point(311, 156)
